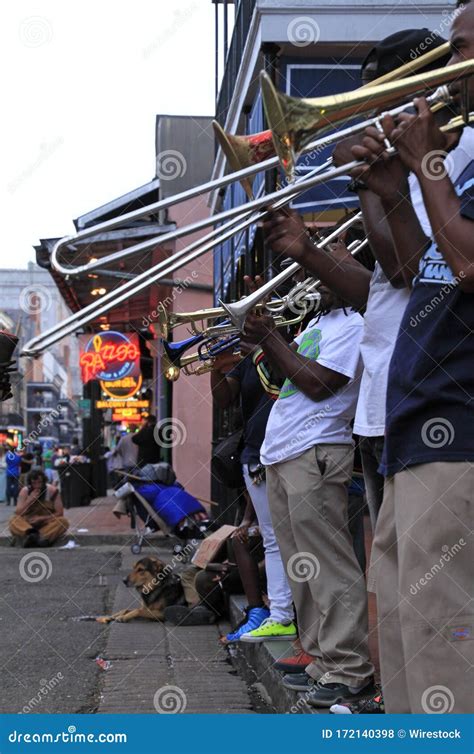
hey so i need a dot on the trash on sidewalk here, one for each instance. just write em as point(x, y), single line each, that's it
point(70, 545)
point(103, 664)
point(82, 531)
point(78, 618)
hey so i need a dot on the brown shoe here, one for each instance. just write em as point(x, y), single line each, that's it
point(294, 664)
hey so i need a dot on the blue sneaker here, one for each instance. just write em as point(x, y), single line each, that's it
point(254, 617)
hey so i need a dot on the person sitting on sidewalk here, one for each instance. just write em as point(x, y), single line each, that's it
point(242, 383)
point(308, 454)
point(38, 519)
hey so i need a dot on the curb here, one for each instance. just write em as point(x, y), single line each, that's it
point(122, 540)
point(259, 658)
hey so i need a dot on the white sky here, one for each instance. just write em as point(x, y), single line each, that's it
point(82, 83)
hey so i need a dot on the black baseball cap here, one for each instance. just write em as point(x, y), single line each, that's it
point(404, 46)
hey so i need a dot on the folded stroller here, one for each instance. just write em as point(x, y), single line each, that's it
point(155, 500)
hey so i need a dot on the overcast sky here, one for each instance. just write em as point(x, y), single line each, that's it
point(82, 83)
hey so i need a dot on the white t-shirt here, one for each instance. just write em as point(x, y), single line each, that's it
point(386, 306)
point(297, 423)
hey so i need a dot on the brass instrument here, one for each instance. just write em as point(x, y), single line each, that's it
point(294, 121)
point(252, 211)
point(245, 151)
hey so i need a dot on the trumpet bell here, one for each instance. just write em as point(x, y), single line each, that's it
point(295, 121)
point(174, 351)
point(244, 151)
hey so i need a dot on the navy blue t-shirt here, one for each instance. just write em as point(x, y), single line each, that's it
point(256, 406)
point(430, 393)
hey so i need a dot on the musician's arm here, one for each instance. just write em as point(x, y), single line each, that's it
point(380, 238)
point(452, 231)
point(314, 380)
point(286, 234)
point(225, 389)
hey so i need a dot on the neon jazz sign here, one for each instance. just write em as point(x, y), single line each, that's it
point(110, 356)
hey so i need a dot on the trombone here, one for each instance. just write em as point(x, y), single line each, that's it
point(243, 151)
point(197, 248)
point(332, 111)
point(293, 121)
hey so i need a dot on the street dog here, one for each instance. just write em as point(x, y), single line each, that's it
point(158, 588)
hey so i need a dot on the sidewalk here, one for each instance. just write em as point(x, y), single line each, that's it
point(157, 667)
point(92, 525)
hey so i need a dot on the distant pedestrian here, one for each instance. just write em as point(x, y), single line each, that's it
point(13, 461)
point(149, 450)
point(125, 453)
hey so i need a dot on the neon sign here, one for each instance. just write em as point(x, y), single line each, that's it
point(110, 356)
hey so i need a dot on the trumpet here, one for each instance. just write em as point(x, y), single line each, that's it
point(173, 359)
point(239, 310)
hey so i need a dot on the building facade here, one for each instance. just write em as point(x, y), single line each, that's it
point(310, 48)
point(45, 391)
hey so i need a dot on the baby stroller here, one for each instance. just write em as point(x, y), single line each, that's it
point(155, 500)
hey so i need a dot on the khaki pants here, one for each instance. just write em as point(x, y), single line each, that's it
point(50, 532)
point(423, 562)
point(308, 503)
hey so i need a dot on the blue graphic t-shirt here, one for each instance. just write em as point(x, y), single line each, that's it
point(430, 395)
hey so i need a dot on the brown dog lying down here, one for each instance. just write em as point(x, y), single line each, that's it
point(157, 586)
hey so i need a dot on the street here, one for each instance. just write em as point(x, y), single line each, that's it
point(53, 663)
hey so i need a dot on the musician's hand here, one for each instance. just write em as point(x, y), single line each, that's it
point(385, 174)
point(343, 151)
point(258, 327)
point(339, 251)
point(419, 142)
point(285, 232)
point(253, 283)
point(225, 361)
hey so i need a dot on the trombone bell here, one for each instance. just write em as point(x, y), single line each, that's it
point(244, 151)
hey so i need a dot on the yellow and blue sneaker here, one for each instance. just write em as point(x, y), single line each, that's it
point(254, 617)
point(271, 630)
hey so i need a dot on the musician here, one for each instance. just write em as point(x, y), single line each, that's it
point(308, 455)
point(383, 295)
point(421, 545)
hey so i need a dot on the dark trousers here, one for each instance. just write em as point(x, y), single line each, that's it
point(11, 489)
point(371, 449)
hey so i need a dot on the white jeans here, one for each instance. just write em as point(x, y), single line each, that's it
point(279, 592)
